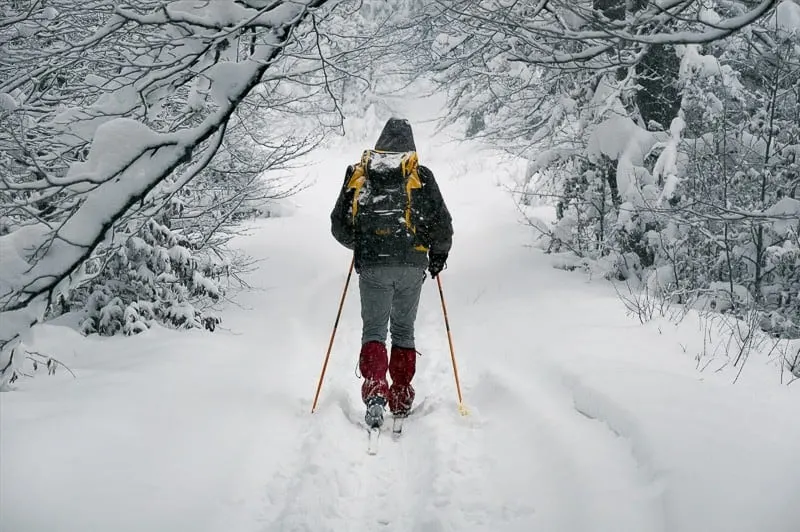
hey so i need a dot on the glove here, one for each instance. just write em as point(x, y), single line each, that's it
point(436, 263)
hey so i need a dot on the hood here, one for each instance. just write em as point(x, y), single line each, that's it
point(396, 136)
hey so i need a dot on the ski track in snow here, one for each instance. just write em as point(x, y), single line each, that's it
point(593, 479)
point(332, 484)
point(337, 486)
point(448, 472)
point(520, 462)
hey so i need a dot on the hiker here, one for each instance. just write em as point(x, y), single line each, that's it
point(391, 214)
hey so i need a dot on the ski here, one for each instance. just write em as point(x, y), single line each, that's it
point(397, 426)
point(374, 420)
point(374, 434)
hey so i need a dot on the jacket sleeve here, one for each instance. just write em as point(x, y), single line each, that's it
point(341, 222)
point(439, 224)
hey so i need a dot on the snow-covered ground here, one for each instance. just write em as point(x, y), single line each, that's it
point(581, 420)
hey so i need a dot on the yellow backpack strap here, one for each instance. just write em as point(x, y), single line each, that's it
point(410, 167)
point(357, 181)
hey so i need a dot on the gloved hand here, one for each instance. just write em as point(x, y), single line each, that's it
point(436, 263)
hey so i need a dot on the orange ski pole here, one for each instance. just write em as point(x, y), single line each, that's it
point(461, 408)
point(333, 334)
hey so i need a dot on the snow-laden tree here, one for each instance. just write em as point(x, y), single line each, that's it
point(507, 64)
point(665, 133)
point(732, 180)
point(109, 109)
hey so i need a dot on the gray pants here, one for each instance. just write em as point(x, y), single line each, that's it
point(390, 293)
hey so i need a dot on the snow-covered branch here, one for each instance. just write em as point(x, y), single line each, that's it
point(597, 34)
point(101, 105)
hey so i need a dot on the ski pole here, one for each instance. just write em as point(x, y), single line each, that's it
point(461, 408)
point(333, 334)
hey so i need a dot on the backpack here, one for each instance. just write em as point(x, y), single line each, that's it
point(381, 210)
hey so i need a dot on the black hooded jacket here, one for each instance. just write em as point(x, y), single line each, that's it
point(429, 214)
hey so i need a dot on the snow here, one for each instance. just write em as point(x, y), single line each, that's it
point(787, 210)
point(667, 163)
point(116, 143)
point(702, 498)
point(199, 13)
point(218, 13)
point(709, 16)
point(208, 287)
point(619, 138)
point(221, 13)
point(693, 61)
point(7, 102)
point(720, 295)
point(383, 161)
point(15, 248)
point(581, 419)
point(228, 79)
point(661, 279)
point(787, 17)
point(179, 255)
point(119, 162)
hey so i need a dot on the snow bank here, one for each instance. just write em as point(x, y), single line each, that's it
point(693, 438)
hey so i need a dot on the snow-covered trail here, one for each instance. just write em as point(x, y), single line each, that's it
point(524, 459)
point(520, 461)
point(580, 419)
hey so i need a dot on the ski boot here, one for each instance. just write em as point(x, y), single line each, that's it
point(375, 408)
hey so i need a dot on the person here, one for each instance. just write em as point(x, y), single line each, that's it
point(391, 213)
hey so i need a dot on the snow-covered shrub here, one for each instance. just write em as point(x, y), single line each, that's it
point(737, 172)
point(155, 276)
